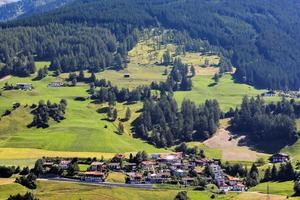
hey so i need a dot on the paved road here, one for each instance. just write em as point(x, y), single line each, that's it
point(106, 184)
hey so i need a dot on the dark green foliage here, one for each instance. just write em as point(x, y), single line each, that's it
point(127, 114)
point(27, 196)
point(181, 196)
point(163, 124)
point(252, 178)
point(43, 112)
point(28, 181)
point(261, 36)
point(266, 122)
point(25, 171)
point(68, 47)
point(120, 128)
point(110, 94)
point(42, 73)
point(297, 188)
point(38, 167)
point(6, 172)
point(178, 79)
point(236, 169)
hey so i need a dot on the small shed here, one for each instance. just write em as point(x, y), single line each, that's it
point(126, 75)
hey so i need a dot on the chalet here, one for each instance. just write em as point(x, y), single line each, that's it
point(97, 166)
point(179, 173)
point(93, 176)
point(134, 178)
point(171, 158)
point(187, 180)
point(118, 157)
point(114, 166)
point(232, 180)
point(64, 164)
point(48, 165)
point(269, 94)
point(224, 188)
point(24, 86)
point(279, 158)
point(239, 187)
point(130, 166)
point(155, 156)
point(148, 165)
point(56, 84)
point(162, 177)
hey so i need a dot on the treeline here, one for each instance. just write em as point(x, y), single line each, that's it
point(68, 47)
point(112, 94)
point(285, 172)
point(261, 121)
point(163, 124)
point(44, 111)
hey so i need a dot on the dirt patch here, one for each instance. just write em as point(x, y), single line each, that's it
point(6, 181)
point(203, 71)
point(230, 149)
point(258, 196)
point(5, 78)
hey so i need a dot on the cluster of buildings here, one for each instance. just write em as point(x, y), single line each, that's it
point(170, 168)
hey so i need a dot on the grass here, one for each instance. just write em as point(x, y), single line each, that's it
point(50, 190)
point(209, 152)
point(279, 188)
point(227, 92)
point(83, 167)
point(83, 129)
point(116, 177)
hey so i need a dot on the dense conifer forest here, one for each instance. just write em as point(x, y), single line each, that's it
point(261, 121)
point(163, 124)
point(261, 36)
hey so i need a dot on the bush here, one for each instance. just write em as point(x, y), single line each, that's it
point(28, 181)
point(27, 196)
point(79, 98)
point(6, 172)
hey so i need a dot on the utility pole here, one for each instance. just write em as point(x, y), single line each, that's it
point(268, 192)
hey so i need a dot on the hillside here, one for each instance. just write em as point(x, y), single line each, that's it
point(265, 53)
point(13, 9)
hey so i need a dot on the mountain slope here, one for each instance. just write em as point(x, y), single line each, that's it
point(13, 9)
point(261, 36)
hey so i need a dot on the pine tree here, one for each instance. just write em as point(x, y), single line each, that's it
point(120, 128)
point(127, 114)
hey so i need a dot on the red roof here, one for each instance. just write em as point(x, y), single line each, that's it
point(93, 173)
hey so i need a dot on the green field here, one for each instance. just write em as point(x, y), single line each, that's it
point(227, 92)
point(52, 190)
point(280, 188)
point(83, 129)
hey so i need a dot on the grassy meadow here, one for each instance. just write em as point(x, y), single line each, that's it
point(83, 129)
point(50, 190)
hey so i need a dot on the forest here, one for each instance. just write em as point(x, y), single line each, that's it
point(163, 124)
point(68, 47)
point(261, 37)
point(261, 121)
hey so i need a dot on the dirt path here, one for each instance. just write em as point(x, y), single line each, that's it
point(6, 181)
point(5, 78)
point(230, 149)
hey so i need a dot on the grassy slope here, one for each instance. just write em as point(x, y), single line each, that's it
point(228, 93)
point(50, 190)
point(280, 188)
point(83, 129)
